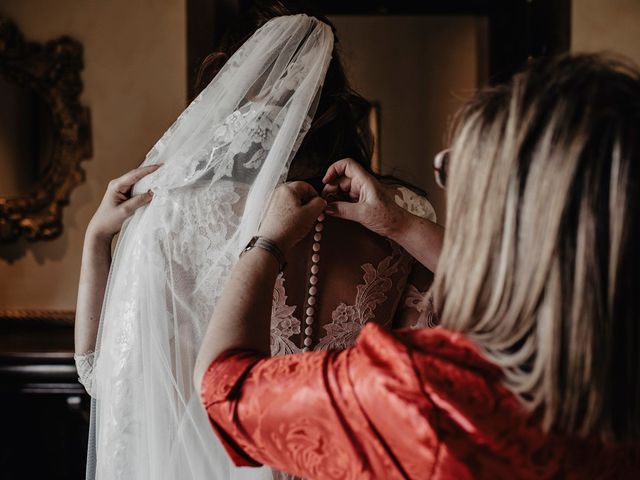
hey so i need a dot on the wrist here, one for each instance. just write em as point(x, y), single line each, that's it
point(94, 236)
point(282, 244)
point(96, 250)
point(262, 263)
point(401, 221)
point(279, 241)
point(270, 247)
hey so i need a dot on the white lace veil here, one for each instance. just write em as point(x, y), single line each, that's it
point(222, 158)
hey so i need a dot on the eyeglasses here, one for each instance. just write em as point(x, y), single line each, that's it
point(440, 166)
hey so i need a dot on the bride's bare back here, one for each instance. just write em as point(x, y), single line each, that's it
point(342, 276)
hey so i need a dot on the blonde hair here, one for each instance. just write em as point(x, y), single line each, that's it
point(542, 240)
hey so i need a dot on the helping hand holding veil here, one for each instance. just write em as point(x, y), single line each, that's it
point(222, 158)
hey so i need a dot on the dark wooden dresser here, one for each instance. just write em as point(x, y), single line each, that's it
point(44, 410)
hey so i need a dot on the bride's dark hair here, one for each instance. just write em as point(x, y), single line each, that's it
point(340, 127)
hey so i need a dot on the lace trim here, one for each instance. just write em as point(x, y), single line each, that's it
point(423, 304)
point(415, 204)
point(84, 366)
point(348, 320)
point(283, 323)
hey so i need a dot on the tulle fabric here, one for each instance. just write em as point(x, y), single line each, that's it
point(222, 158)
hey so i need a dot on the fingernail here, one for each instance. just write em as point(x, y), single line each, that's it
point(150, 192)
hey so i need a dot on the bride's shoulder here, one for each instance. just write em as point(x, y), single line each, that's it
point(411, 200)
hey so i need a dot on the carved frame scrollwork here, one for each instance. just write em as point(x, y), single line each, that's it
point(52, 70)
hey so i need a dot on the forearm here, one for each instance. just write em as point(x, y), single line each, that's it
point(94, 272)
point(241, 318)
point(421, 238)
point(116, 206)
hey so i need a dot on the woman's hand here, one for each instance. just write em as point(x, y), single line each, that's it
point(117, 204)
point(293, 210)
point(372, 204)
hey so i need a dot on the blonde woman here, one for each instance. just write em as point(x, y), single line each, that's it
point(535, 369)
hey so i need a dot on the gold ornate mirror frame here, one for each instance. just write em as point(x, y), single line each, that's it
point(52, 70)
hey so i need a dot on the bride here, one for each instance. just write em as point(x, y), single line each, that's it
point(278, 108)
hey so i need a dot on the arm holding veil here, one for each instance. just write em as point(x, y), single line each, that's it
point(117, 205)
point(222, 159)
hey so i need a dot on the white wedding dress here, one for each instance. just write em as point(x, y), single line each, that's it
point(222, 158)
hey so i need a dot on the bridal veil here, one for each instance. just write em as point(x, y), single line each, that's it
point(222, 159)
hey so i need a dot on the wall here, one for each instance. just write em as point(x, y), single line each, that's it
point(606, 25)
point(135, 86)
point(420, 69)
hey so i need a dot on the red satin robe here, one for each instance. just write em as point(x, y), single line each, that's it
point(420, 404)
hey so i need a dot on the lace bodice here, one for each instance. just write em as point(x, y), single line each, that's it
point(353, 277)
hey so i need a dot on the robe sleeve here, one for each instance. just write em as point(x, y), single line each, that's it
point(319, 414)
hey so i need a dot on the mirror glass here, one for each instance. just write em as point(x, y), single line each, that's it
point(26, 139)
point(417, 70)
